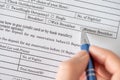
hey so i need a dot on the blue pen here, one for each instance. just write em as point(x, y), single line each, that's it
point(90, 72)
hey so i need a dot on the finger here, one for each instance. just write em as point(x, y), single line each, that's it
point(116, 76)
point(72, 69)
point(83, 76)
point(106, 57)
point(101, 72)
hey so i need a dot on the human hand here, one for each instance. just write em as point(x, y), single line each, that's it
point(107, 65)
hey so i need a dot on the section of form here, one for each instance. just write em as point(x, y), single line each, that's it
point(98, 19)
point(37, 35)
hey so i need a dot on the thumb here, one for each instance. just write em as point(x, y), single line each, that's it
point(73, 68)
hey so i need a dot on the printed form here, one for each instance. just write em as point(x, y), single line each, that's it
point(36, 35)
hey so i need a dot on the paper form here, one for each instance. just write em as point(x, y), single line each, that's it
point(36, 35)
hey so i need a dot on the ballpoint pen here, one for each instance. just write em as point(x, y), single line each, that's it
point(90, 72)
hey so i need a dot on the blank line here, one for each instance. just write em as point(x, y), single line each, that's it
point(98, 4)
point(111, 1)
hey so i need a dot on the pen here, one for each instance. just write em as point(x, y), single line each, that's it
point(90, 72)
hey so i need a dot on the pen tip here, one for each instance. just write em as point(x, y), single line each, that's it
point(84, 38)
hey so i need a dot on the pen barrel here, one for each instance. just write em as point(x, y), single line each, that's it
point(90, 72)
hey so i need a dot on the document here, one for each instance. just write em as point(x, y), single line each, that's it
point(37, 35)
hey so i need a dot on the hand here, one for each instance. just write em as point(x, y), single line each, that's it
point(107, 65)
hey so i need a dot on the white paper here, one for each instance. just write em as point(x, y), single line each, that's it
point(36, 35)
